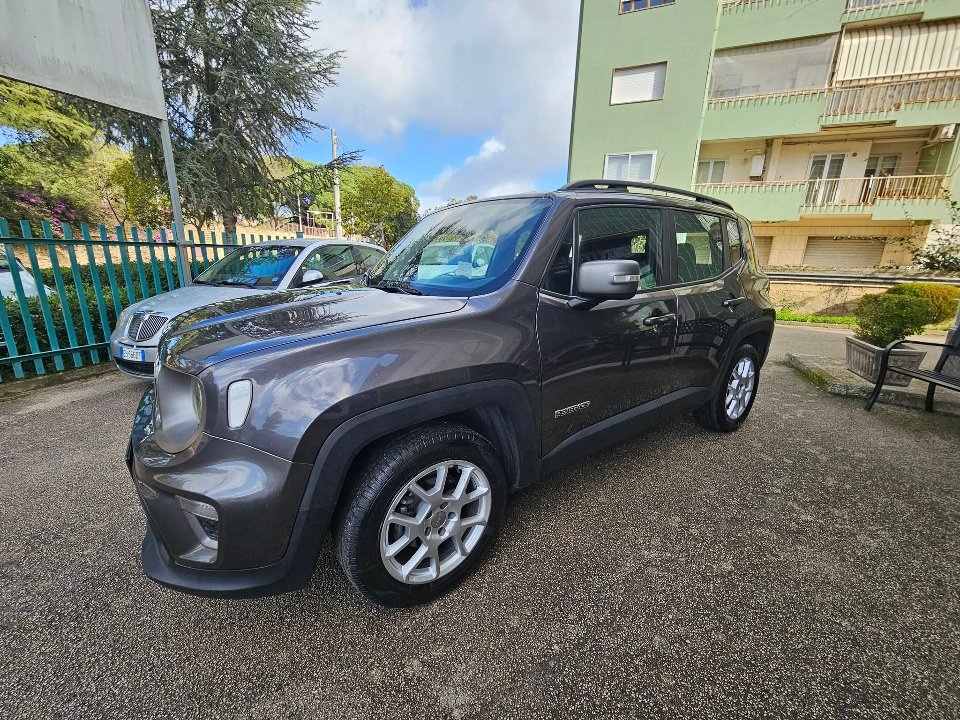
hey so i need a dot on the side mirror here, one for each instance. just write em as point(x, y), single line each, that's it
point(601, 280)
point(310, 277)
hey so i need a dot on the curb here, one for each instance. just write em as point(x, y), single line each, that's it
point(809, 368)
point(18, 388)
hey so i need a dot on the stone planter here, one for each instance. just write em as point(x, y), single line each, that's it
point(863, 359)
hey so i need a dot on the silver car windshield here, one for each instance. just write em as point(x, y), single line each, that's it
point(464, 250)
point(260, 267)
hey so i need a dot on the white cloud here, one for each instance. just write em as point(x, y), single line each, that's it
point(501, 70)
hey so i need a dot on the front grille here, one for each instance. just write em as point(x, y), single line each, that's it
point(144, 326)
point(136, 367)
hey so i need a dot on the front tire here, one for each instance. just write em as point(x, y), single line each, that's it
point(425, 506)
point(733, 401)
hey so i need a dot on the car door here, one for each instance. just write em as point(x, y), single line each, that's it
point(709, 295)
point(616, 356)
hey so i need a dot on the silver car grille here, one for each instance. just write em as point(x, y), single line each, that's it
point(144, 326)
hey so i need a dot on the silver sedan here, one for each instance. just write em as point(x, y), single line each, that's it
point(249, 270)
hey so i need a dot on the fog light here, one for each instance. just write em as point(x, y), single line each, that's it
point(206, 524)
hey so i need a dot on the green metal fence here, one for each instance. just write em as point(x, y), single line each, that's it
point(62, 297)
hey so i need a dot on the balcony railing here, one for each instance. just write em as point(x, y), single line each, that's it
point(845, 191)
point(882, 97)
point(855, 5)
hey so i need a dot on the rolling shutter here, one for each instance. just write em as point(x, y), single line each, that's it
point(828, 252)
point(638, 84)
point(893, 50)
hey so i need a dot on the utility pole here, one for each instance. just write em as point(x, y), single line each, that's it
point(183, 262)
point(338, 220)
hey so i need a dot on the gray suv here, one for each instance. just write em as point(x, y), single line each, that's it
point(498, 341)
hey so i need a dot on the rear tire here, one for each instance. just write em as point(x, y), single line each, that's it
point(734, 399)
point(424, 507)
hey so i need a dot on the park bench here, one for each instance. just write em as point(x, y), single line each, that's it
point(946, 373)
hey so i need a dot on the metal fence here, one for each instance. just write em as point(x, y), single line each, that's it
point(62, 296)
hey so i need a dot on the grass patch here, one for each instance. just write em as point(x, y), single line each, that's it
point(825, 319)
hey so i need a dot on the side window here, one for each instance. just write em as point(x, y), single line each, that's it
point(560, 273)
point(622, 232)
point(699, 245)
point(368, 257)
point(734, 242)
point(334, 261)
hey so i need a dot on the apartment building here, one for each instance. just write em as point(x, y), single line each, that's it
point(832, 125)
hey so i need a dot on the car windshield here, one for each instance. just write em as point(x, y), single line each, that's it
point(261, 267)
point(461, 251)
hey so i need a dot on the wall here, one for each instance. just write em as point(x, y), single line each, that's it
point(670, 126)
point(820, 298)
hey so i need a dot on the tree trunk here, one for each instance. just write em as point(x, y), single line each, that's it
point(230, 224)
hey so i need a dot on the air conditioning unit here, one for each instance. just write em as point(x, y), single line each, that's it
point(943, 133)
point(756, 167)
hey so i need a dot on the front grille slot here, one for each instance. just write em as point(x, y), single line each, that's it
point(144, 326)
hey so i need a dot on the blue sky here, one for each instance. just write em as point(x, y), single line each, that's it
point(453, 98)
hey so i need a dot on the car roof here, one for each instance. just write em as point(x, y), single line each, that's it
point(306, 242)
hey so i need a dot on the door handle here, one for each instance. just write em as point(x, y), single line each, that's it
point(733, 302)
point(659, 319)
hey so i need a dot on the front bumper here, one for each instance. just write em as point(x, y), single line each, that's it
point(141, 367)
point(266, 544)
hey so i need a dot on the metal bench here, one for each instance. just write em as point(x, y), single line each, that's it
point(946, 373)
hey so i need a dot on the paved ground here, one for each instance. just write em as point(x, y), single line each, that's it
point(807, 566)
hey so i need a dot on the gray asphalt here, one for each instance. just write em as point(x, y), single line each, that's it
point(807, 566)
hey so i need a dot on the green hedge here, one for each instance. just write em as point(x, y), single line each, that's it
point(825, 319)
point(943, 299)
point(886, 317)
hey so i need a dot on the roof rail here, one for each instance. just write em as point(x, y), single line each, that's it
point(627, 184)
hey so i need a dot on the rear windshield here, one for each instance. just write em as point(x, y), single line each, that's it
point(466, 250)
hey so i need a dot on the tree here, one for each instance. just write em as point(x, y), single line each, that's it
point(241, 80)
point(376, 204)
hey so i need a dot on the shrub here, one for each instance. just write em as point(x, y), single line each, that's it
point(883, 318)
point(823, 319)
point(943, 298)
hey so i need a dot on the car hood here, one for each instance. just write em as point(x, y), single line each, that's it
point(213, 333)
point(189, 297)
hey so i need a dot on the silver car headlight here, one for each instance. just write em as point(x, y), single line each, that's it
point(124, 317)
point(179, 410)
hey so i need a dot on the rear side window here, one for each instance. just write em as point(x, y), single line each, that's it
point(622, 232)
point(700, 247)
point(368, 257)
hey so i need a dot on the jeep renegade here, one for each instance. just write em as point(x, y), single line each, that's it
point(498, 341)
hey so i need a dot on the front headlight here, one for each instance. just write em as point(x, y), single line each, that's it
point(180, 411)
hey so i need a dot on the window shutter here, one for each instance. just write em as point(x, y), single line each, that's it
point(638, 84)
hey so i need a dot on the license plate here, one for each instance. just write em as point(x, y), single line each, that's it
point(133, 354)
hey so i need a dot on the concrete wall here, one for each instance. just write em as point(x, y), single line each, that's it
point(789, 240)
point(821, 299)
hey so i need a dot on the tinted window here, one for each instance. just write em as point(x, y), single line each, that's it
point(334, 261)
point(463, 250)
point(699, 246)
point(622, 233)
point(734, 241)
point(253, 266)
point(560, 272)
point(368, 257)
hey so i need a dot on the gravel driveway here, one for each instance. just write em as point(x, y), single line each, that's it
point(807, 566)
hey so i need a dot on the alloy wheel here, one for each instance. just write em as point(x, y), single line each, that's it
point(740, 388)
point(435, 521)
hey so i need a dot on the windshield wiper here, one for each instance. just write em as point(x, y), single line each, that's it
point(396, 287)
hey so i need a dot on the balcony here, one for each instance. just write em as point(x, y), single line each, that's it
point(853, 102)
point(883, 198)
point(870, 9)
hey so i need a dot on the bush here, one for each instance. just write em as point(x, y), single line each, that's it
point(883, 318)
point(823, 319)
point(943, 298)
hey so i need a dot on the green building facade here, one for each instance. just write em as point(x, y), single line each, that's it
point(832, 125)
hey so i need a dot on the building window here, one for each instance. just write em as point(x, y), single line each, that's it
point(711, 171)
point(779, 67)
point(638, 84)
point(631, 5)
point(635, 167)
